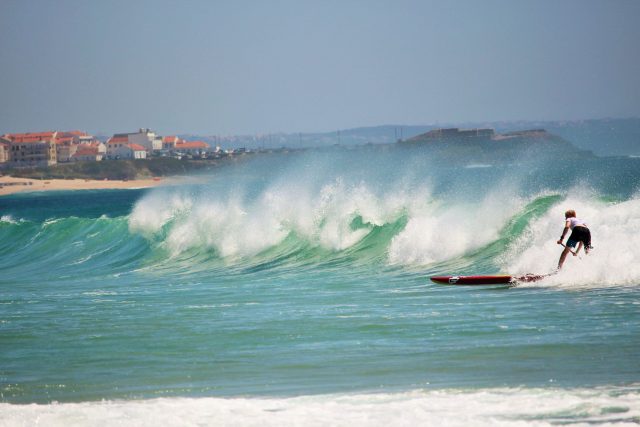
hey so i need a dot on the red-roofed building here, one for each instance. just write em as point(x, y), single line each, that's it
point(32, 149)
point(192, 147)
point(100, 146)
point(123, 139)
point(87, 153)
point(138, 151)
point(169, 142)
point(66, 144)
point(78, 133)
point(144, 137)
point(117, 149)
point(31, 136)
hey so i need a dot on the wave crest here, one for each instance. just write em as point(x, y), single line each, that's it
point(335, 217)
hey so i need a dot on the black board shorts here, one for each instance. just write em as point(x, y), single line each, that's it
point(579, 234)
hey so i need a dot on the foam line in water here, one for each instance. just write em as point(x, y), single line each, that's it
point(489, 407)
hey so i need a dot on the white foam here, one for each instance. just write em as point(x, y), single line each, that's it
point(441, 232)
point(156, 209)
point(615, 231)
point(236, 225)
point(8, 219)
point(488, 407)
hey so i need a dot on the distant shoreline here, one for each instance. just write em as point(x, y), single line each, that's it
point(11, 185)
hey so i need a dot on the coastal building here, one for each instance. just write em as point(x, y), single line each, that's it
point(169, 142)
point(87, 153)
point(32, 149)
point(144, 137)
point(31, 136)
point(138, 151)
point(5, 146)
point(87, 139)
point(33, 153)
point(118, 147)
point(66, 145)
point(194, 148)
point(100, 147)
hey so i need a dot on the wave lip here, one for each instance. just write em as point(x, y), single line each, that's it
point(334, 217)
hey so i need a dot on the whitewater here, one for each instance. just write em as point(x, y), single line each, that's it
point(293, 288)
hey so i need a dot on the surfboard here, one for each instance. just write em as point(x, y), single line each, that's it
point(487, 280)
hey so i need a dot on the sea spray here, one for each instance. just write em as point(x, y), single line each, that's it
point(234, 225)
point(452, 230)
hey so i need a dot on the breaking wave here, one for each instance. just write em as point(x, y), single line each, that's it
point(314, 211)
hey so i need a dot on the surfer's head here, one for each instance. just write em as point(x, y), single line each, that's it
point(570, 214)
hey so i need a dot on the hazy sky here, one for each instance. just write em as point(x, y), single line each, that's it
point(230, 67)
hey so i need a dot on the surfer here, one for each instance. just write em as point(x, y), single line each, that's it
point(580, 235)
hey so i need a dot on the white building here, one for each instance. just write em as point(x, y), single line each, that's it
point(144, 137)
point(119, 148)
point(169, 142)
point(5, 149)
point(148, 139)
point(138, 151)
point(87, 153)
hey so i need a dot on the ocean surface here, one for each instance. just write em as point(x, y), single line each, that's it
point(294, 289)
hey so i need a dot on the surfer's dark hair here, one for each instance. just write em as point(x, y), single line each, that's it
point(570, 214)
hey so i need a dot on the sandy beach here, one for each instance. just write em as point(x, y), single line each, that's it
point(9, 185)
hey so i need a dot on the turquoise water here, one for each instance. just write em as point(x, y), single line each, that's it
point(306, 277)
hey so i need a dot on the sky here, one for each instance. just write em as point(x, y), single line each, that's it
point(257, 67)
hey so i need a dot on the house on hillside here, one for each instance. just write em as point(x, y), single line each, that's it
point(32, 149)
point(194, 148)
point(66, 145)
point(87, 153)
point(169, 142)
point(144, 137)
point(85, 138)
point(118, 147)
point(101, 147)
point(5, 145)
point(138, 151)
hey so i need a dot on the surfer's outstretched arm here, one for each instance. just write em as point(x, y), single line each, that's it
point(564, 232)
